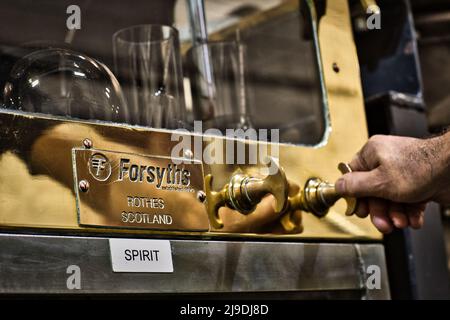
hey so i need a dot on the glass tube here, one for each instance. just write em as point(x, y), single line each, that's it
point(148, 65)
point(219, 100)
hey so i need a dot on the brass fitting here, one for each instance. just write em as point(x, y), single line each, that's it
point(244, 192)
point(318, 196)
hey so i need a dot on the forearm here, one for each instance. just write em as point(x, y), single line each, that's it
point(445, 143)
point(446, 138)
point(441, 146)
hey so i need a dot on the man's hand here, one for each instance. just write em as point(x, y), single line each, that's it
point(395, 177)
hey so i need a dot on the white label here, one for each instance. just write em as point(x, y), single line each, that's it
point(139, 255)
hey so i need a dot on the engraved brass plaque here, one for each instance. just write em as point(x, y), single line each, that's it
point(123, 190)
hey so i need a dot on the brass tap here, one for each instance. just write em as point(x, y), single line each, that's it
point(244, 192)
point(318, 196)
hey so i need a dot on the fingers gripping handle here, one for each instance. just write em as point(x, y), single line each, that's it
point(352, 203)
point(318, 196)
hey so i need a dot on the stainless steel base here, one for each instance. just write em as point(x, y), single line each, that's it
point(35, 264)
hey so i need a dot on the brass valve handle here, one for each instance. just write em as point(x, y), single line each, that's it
point(318, 196)
point(244, 192)
point(370, 4)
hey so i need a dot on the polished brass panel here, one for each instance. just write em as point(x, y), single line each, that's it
point(135, 191)
point(37, 182)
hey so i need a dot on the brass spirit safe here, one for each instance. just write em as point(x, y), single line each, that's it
point(97, 175)
point(120, 127)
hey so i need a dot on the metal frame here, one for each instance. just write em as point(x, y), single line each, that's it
point(36, 264)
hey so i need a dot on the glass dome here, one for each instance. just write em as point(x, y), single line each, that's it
point(65, 83)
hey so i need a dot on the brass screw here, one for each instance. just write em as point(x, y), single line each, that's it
point(201, 196)
point(83, 185)
point(87, 143)
point(336, 67)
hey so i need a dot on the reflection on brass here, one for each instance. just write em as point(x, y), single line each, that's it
point(126, 190)
point(36, 168)
point(290, 222)
point(243, 192)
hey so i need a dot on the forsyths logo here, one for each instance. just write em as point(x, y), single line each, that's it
point(99, 167)
point(163, 177)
